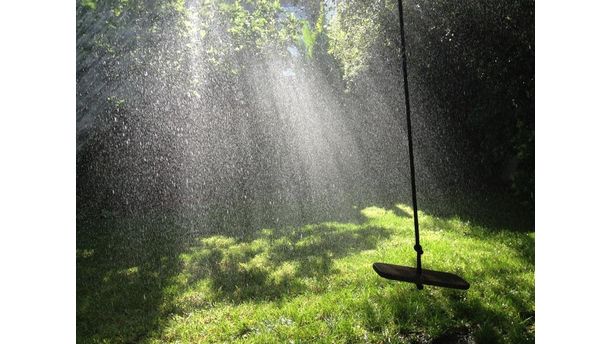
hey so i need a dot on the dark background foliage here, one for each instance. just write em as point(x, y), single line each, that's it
point(471, 78)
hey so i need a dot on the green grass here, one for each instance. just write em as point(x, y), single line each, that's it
point(312, 283)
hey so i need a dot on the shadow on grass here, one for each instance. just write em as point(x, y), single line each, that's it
point(276, 263)
point(133, 276)
point(130, 274)
point(122, 271)
point(457, 317)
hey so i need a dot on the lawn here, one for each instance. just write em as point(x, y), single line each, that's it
point(299, 284)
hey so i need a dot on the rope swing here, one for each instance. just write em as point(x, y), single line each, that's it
point(419, 276)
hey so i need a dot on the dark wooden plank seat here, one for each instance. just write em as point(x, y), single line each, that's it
point(428, 277)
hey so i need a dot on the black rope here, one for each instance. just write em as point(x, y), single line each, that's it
point(417, 245)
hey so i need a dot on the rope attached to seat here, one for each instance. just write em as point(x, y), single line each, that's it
point(417, 246)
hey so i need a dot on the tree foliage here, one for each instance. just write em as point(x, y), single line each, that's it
point(471, 67)
point(472, 63)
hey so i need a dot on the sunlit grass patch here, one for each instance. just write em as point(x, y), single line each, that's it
point(315, 283)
